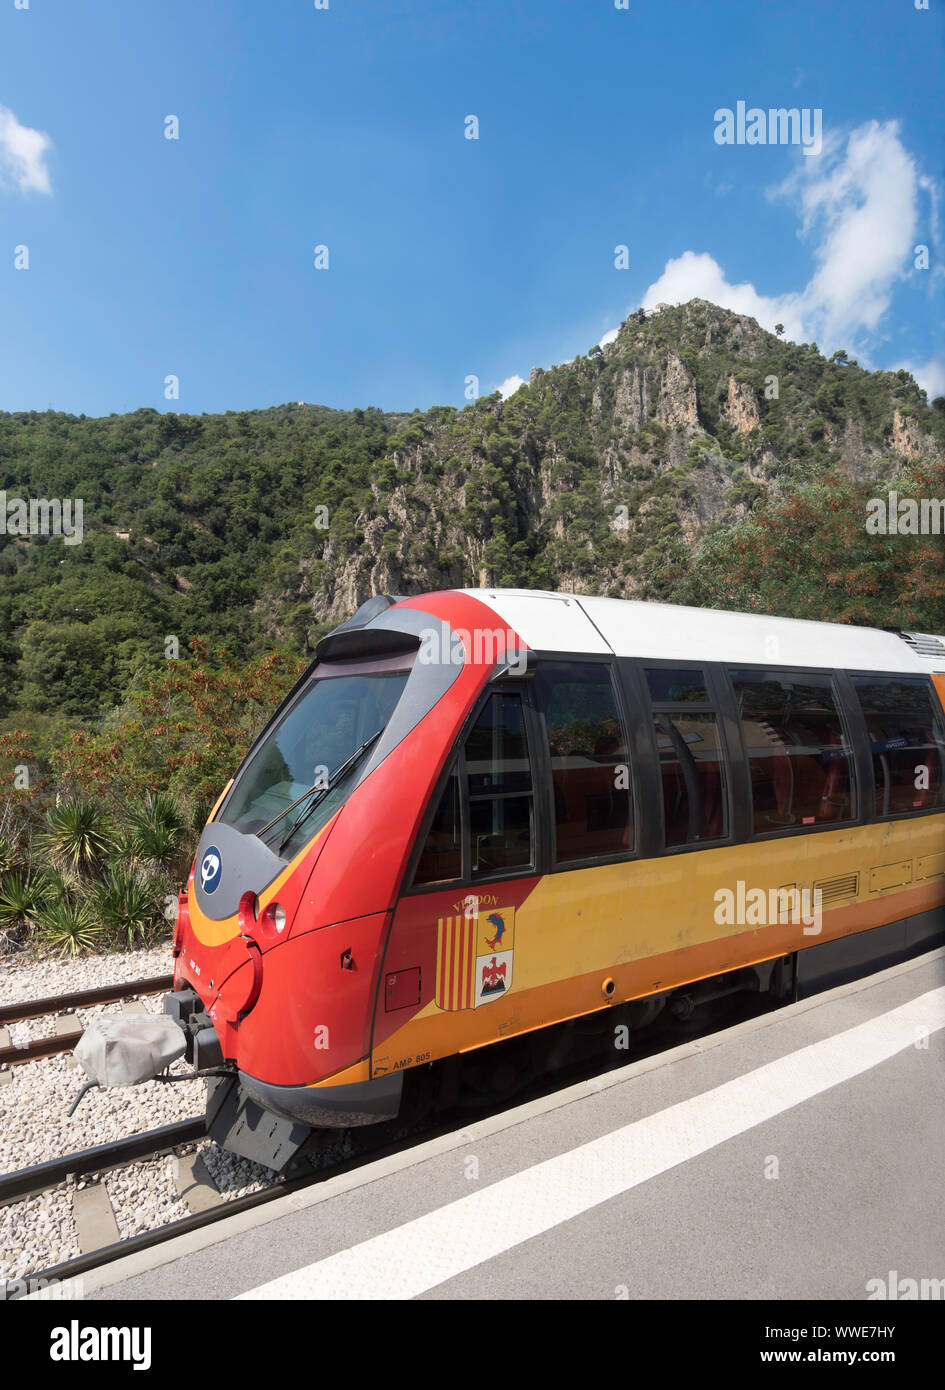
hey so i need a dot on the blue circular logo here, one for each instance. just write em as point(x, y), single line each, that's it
point(211, 866)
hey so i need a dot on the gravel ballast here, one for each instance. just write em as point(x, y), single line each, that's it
point(39, 1232)
point(22, 979)
point(144, 1195)
point(35, 1126)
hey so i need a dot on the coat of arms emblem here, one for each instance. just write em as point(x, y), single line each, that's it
point(474, 958)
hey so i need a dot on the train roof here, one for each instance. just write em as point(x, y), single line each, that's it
point(663, 631)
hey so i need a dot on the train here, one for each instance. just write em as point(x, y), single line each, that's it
point(481, 814)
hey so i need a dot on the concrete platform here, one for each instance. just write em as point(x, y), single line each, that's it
point(797, 1155)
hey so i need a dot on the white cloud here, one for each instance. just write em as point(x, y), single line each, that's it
point(22, 155)
point(719, 187)
point(609, 336)
point(859, 206)
point(510, 385)
point(697, 275)
point(866, 211)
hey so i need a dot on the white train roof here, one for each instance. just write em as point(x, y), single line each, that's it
point(668, 632)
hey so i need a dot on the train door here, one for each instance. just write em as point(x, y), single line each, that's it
point(519, 896)
point(590, 900)
point(460, 949)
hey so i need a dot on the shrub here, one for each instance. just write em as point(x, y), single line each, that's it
point(157, 830)
point(21, 897)
point(67, 927)
point(76, 835)
point(127, 906)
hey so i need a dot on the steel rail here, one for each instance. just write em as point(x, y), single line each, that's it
point(25, 1182)
point(103, 994)
point(39, 1047)
point(370, 1147)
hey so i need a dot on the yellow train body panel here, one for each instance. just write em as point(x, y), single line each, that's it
point(653, 925)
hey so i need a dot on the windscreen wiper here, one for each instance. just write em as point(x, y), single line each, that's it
point(282, 814)
point(321, 789)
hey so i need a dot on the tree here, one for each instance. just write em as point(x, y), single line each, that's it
point(779, 329)
point(186, 732)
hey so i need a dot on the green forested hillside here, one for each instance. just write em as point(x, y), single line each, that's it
point(214, 511)
point(695, 459)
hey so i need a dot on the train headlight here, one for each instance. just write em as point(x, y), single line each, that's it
point(266, 925)
point(273, 920)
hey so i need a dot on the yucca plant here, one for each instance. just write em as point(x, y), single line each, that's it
point(127, 907)
point(77, 835)
point(61, 883)
point(157, 829)
point(121, 847)
point(67, 926)
point(21, 894)
point(200, 809)
point(11, 855)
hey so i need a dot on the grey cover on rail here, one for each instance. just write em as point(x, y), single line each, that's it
point(118, 1050)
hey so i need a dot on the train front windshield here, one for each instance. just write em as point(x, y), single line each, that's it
point(344, 706)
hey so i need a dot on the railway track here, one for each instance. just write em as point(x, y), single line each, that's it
point(60, 1004)
point(299, 1175)
point(82, 1264)
point(26, 1182)
point(365, 1144)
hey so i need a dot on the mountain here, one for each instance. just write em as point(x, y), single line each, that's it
point(696, 458)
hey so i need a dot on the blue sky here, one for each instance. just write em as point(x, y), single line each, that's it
point(448, 257)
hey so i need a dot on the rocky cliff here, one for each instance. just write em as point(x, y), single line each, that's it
point(693, 419)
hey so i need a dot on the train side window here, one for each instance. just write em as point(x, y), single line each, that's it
point(442, 856)
point(907, 743)
point(670, 685)
point(693, 780)
point(492, 782)
point(692, 773)
point(589, 757)
point(499, 788)
point(799, 755)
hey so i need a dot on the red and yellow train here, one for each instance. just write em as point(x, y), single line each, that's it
point(481, 813)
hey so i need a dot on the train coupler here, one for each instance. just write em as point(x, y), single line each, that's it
point(126, 1049)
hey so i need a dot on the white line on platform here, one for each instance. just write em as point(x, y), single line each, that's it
point(426, 1252)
